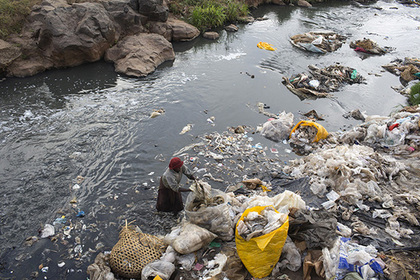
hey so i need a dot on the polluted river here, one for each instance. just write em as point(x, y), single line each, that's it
point(78, 147)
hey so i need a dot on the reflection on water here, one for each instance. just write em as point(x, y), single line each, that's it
point(89, 121)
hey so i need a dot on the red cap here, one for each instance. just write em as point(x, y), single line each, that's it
point(175, 162)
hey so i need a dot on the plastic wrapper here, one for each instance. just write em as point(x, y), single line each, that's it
point(187, 238)
point(159, 268)
point(290, 257)
point(278, 129)
point(214, 217)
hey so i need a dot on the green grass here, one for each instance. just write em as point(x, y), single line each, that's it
point(414, 98)
point(13, 14)
point(208, 14)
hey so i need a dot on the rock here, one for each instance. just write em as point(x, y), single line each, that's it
point(246, 19)
point(8, 53)
point(154, 10)
point(140, 55)
point(125, 14)
point(182, 31)
point(231, 28)
point(303, 3)
point(211, 35)
point(279, 2)
point(66, 35)
point(175, 30)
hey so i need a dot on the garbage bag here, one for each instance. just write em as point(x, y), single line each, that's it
point(321, 131)
point(159, 268)
point(187, 238)
point(291, 258)
point(260, 254)
point(214, 217)
point(278, 129)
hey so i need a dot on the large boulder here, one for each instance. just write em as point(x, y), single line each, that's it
point(60, 35)
point(175, 30)
point(126, 16)
point(8, 53)
point(140, 55)
point(155, 10)
point(182, 31)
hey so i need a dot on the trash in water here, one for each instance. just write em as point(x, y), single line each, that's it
point(406, 68)
point(80, 214)
point(266, 46)
point(47, 231)
point(314, 116)
point(279, 128)
point(186, 128)
point(368, 46)
point(157, 113)
point(318, 41)
point(330, 79)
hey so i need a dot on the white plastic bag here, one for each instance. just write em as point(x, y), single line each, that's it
point(187, 238)
point(216, 219)
point(278, 129)
point(162, 268)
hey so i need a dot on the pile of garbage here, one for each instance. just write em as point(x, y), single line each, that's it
point(346, 210)
point(320, 81)
point(408, 69)
point(368, 46)
point(397, 134)
point(318, 41)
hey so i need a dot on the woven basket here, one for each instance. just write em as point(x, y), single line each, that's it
point(133, 251)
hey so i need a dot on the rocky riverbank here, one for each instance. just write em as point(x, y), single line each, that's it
point(135, 35)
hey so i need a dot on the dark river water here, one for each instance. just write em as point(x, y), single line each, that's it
point(89, 121)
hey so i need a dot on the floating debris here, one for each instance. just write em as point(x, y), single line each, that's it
point(266, 46)
point(320, 81)
point(318, 41)
point(368, 46)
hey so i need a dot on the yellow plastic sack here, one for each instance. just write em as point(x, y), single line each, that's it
point(260, 254)
point(321, 133)
point(266, 46)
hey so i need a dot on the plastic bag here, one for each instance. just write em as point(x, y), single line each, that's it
point(158, 268)
point(187, 238)
point(321, 131)
point(216, 218)
point(291, 258)
point(278, 129)
point(260, 254)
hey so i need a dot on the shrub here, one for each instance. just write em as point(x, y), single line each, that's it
point(207, 17)
point(13, 14)
point(414, 98)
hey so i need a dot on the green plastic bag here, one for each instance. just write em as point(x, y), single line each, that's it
point(260, 254)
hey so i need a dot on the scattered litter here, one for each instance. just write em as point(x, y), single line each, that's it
point(318, 41)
